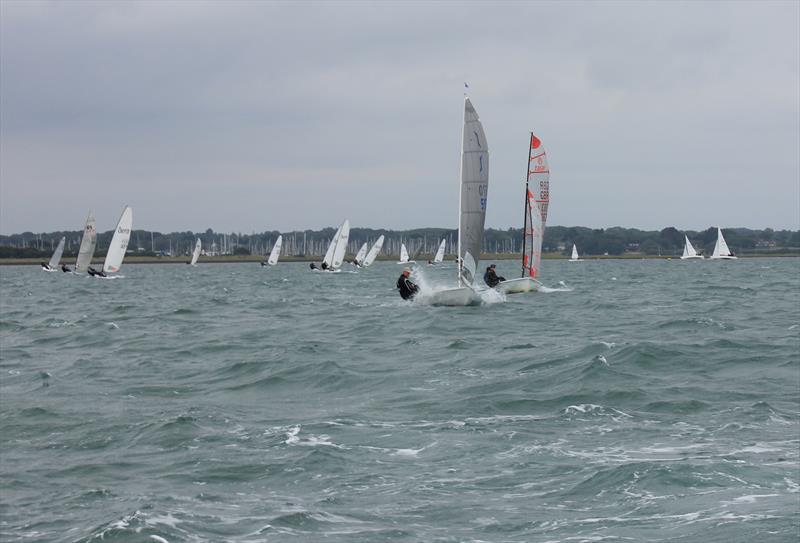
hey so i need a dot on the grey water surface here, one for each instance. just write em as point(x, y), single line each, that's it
point(633, 401)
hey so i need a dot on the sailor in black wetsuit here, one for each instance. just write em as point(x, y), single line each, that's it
point(491, 278)
point(45, 266)
point(324, 265)
point(65, 269)
point(313, 266)
point(94, 273)
point(407, 289)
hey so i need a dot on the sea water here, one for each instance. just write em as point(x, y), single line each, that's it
point(633, 401)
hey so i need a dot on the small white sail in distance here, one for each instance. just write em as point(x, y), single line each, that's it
point(439, 257)
point(688, 250)
point(88, 244)
point(196, 253)
point(721, 250)
point(574, 257)
point(373, 252)
point(275, 253)
point(57, 253)
point(403, 254)
point(119, 242)
point(361, 254)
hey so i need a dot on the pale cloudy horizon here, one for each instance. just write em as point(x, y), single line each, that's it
point(255, 116)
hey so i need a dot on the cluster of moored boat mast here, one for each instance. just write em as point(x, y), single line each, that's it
point(473, 199)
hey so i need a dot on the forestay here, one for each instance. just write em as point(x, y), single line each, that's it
point(88, 243)
point(276, 251)
point(54, 260)
point(373, 252)
point(474, 193)
point(119, 242)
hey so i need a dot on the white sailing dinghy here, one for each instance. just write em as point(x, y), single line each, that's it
point(688, 250)
point(56, 258)
point(404, 259)
point(537, 202)
point(275, 253)
point(721, 250)
point(473, 194)
point(373, 252)
point(575, 257)
point(196, 253)
point(119, 242)
point(439, 256)
point(359, 259)
point(334, 256)
point(88, 244)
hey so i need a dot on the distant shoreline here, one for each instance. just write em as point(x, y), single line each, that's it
point(255, 259)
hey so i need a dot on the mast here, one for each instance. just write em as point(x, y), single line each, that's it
point(460, 180)
point(526, 212)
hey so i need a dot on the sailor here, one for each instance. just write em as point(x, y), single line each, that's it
point(313, 266)
point(94, 273)
point(324, 265)
point(491, 278)
point(65, 269)
point(45, 266)
point(407, 288)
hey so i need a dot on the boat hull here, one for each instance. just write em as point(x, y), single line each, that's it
point(696, 257)
point(519, 285)
point(462, 296)
point(723, 257)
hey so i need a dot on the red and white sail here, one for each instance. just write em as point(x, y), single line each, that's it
point(537, 200)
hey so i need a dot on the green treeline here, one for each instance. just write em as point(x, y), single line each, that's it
point(422, 241)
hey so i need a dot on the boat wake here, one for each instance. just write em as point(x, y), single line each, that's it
point(430, 291)
point(561, 288)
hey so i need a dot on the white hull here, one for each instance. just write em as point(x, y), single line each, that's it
point(696, 257)
point(575, 260)
point(519, 285)
point(461, 296)
point(723, 257)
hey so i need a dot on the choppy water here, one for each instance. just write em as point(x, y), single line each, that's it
point(646, 401)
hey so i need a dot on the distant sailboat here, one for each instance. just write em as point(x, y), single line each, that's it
point(119, 244)
point(537, 201)
point(439, 257)
point(54, 260)
point(721, 250)
point(373, 252)
point(362, 252)
point(88, 244)
point(334, 256)
point(688, 250)
point(196, 253)
point(574, 257)
point(404, 259)
point(473, 191)
point(275, 253)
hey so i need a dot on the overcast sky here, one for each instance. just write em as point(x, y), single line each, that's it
point(256, 116)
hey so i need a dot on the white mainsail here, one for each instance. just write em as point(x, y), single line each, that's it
point(88, 243)
point(403, 254)
point(341, 245)
point(57, 253)
point(275, 253)
point(373, 252)
point(474, 193)
point(119, 242)
point(574, 253)
point(196, 253)
point(440, 253)
point(361, 254)
point(721, 249)
point(331, 247)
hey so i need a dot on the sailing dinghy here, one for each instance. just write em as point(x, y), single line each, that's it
point(721, 250)
point(54, 260)
point(574, 257)
point(196, 253)
point(334, 256)
point(373, 252)
point(359, 259)
point(275, 253)
point(537, 202)
point(473, 194)
point(688, 250)
point(88, 244)
point(439, 256)
point(404, 255)
point(119, 244)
